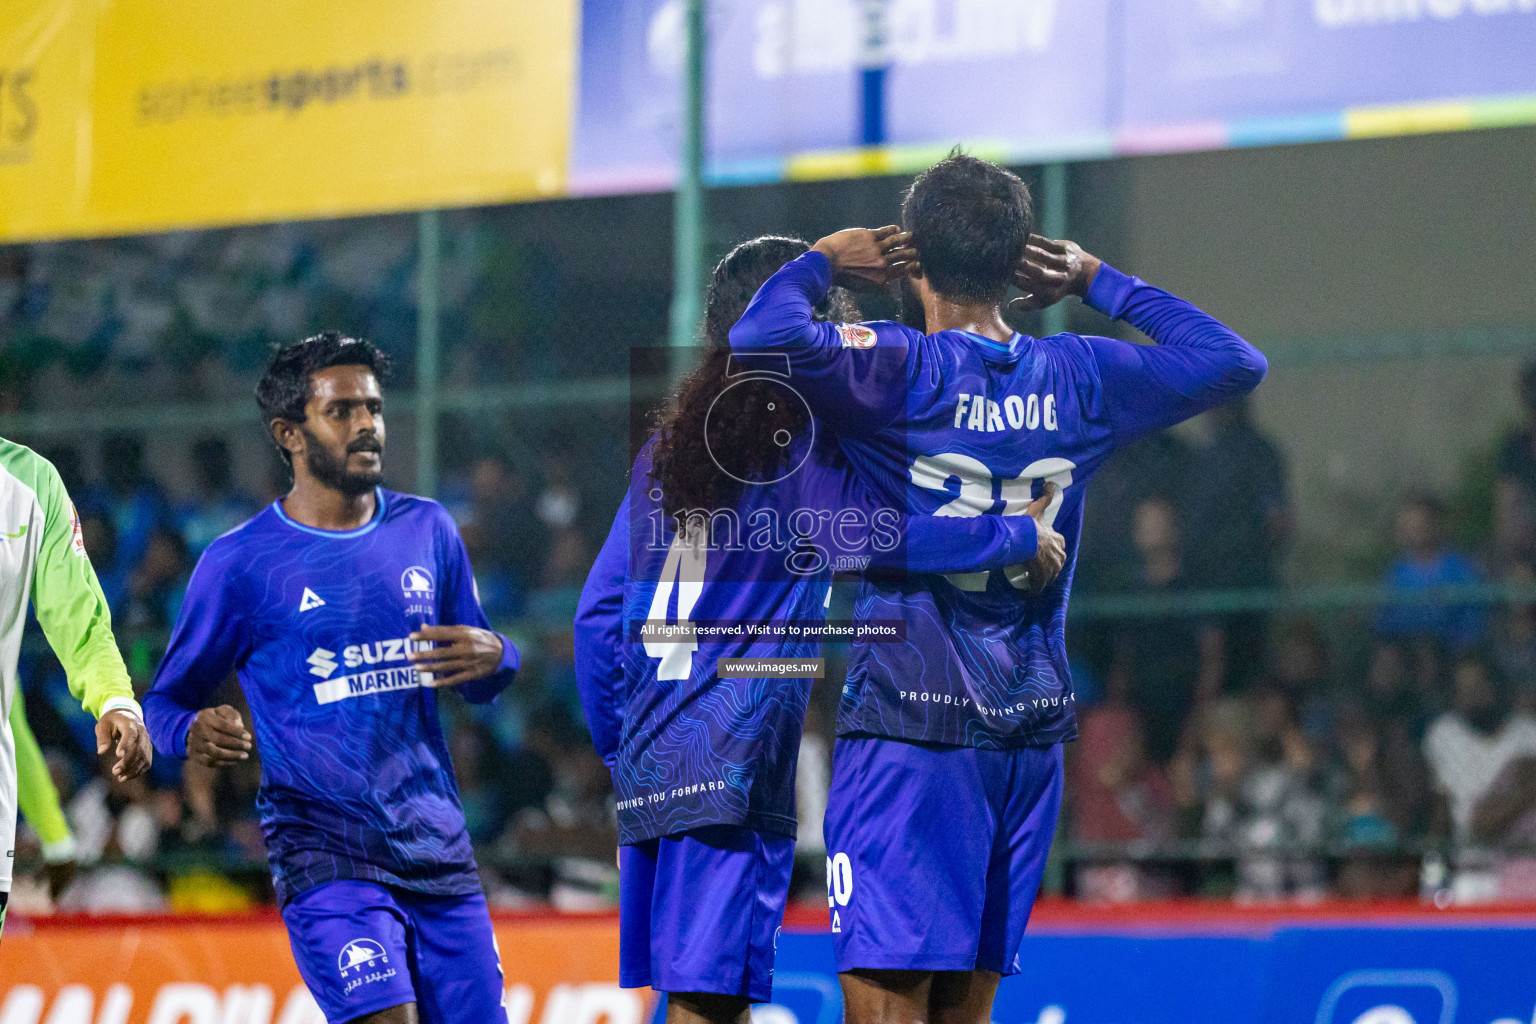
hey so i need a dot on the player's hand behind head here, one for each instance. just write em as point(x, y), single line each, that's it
point(218, 737)
point(458, 654)
point(865, 259)
point(1051, 270)
point(124, 734)
point(1051, 555)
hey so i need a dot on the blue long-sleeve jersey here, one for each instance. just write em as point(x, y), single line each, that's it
point(687, 746)
point(970, 426)
point(356, 780)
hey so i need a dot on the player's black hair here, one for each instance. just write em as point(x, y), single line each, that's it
point(970, 221)
point(681, 463)
point(286, 387)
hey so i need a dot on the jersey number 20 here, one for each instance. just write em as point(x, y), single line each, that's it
point(932, 472)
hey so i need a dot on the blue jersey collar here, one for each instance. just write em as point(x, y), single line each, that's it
point(378, 515)
point(996, 349)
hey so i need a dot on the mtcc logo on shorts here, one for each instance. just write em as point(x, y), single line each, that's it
point(359, 955)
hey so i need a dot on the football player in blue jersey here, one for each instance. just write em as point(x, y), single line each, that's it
point(341, 608)
point(703, 760)
point(947, 771)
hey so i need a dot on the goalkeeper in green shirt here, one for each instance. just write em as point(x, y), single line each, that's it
point(42, 561)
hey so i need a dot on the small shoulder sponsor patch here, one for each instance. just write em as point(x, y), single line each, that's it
point(77, 539)
point(856, 335)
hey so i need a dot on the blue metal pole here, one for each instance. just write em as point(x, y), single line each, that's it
point(874, 60)
point(427, 343)
point(1053, 224)
point(688, 201)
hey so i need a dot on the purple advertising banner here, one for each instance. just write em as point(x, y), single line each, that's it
point(784, 78)
point(1033, 80)
point(1189, 61)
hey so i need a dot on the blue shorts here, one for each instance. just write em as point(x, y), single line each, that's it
point(935, 853)
point(362, 947)
point(700, 911)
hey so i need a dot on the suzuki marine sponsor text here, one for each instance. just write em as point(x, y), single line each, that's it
point(393, 672)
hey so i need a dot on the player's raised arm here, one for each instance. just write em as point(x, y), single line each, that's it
point(465, 651)
point(206, 645)
point(1197, 363)
point(854, 376)
point(599, 637)
point(73, 613)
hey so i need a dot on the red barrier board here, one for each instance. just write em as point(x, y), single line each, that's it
point(189, 970)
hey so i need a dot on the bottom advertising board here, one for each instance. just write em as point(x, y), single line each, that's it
point(1107, 969)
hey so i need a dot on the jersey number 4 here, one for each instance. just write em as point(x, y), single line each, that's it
point(684, 570)
point(980, 490)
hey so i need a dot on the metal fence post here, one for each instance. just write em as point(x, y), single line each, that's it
point(688, 201)
point(428, 240)
point(1053, 224)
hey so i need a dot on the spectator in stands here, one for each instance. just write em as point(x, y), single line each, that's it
point(1514, 650)
point(1388, 693)
point(1375, 799)
point(116, 830)
point(1284, 795)
point(66, 459)
point(559, 503)
point(1469, 746)
point(1299, 668)
point(1248, 777)
point(1427, 560)
point(1367, 809)
point(506, 540)
point(1514, 520)
point(156, 587)
point(475, 757)
point(1117, 796)
point(1108, 559)
point(217, 506)
point(1165, 663)
point(1398, 717)
point(130, 498)
point(572, 820)
point(1238, 497)
point(99, 536)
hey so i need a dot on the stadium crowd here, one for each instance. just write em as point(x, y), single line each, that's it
point(1274, 756)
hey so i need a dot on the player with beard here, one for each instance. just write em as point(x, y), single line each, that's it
point(341, 607)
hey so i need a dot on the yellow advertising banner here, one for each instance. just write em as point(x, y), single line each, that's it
point(123, 116)
point(45, 113)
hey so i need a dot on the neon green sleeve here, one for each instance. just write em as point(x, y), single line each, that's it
point(38, 800)
point(71, 607)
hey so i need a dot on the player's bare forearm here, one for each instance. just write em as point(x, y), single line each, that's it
point(123, 734)
point(457, 654)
